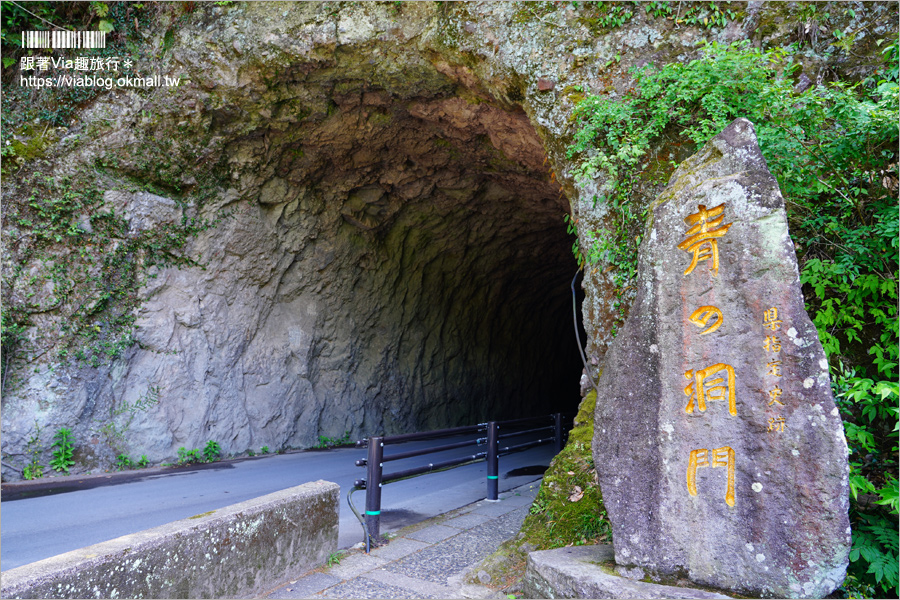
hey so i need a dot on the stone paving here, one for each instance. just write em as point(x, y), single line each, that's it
point(427, 560)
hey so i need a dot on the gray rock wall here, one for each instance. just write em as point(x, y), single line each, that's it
point(395, 256)
point(392, 258)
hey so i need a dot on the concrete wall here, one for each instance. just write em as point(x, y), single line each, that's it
point(238, 551)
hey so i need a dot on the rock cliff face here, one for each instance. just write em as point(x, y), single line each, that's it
point(391, 255)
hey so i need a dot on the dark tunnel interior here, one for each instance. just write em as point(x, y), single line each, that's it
point(433, 228)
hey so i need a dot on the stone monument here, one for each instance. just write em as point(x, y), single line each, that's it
point(720, 452)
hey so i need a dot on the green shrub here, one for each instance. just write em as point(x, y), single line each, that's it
point(33, 470)
point(188, 457)
point(123, 462)
point(212, 451)
point(833, 150)
point(327, 442)
point(63, 451)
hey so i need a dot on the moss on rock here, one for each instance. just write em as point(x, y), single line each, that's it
point(568, 509)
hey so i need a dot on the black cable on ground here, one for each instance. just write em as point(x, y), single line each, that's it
point(358, 516)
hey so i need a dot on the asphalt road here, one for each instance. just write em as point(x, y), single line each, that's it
point(35, 528)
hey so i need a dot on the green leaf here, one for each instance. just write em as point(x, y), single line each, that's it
point(889, 494)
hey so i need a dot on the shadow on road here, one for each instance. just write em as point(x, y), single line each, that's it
point(523, 471)
point(62, 485)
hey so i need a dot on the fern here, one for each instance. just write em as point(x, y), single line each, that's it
point(877, 543)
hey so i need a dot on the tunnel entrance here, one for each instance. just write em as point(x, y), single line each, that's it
point(388, 255)
point(436, 252)
point(395, 260)
point(450, 237)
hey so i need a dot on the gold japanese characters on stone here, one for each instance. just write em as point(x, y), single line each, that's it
point(772, 345)
point(721, 457)
point(702, 241)
point(717, 381)
point(702, 315)
point(771, 320)
point(705, 387)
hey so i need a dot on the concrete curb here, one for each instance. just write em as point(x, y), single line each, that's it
point(579, 572)
point(233, 552)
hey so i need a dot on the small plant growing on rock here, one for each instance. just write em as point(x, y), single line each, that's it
point(115, 429)
point(62, 455)
point(264, 450)
point(189, 457)
point(144, 462)
point(123, 462)
point(212, 451)
point(34, 470)
point(327, 442)
point(335, 558)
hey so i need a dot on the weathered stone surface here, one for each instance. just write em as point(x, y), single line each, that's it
point(142, 210)
point(238, 551)
point(581, 572)
point(748, 492)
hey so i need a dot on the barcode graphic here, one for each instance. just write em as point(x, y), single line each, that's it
point(64, 39)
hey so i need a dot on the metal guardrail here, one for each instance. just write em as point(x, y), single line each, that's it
point(375, 459)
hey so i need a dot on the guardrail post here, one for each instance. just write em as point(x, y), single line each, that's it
point(493, 462)
point(373, 485)
point(558, 431)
